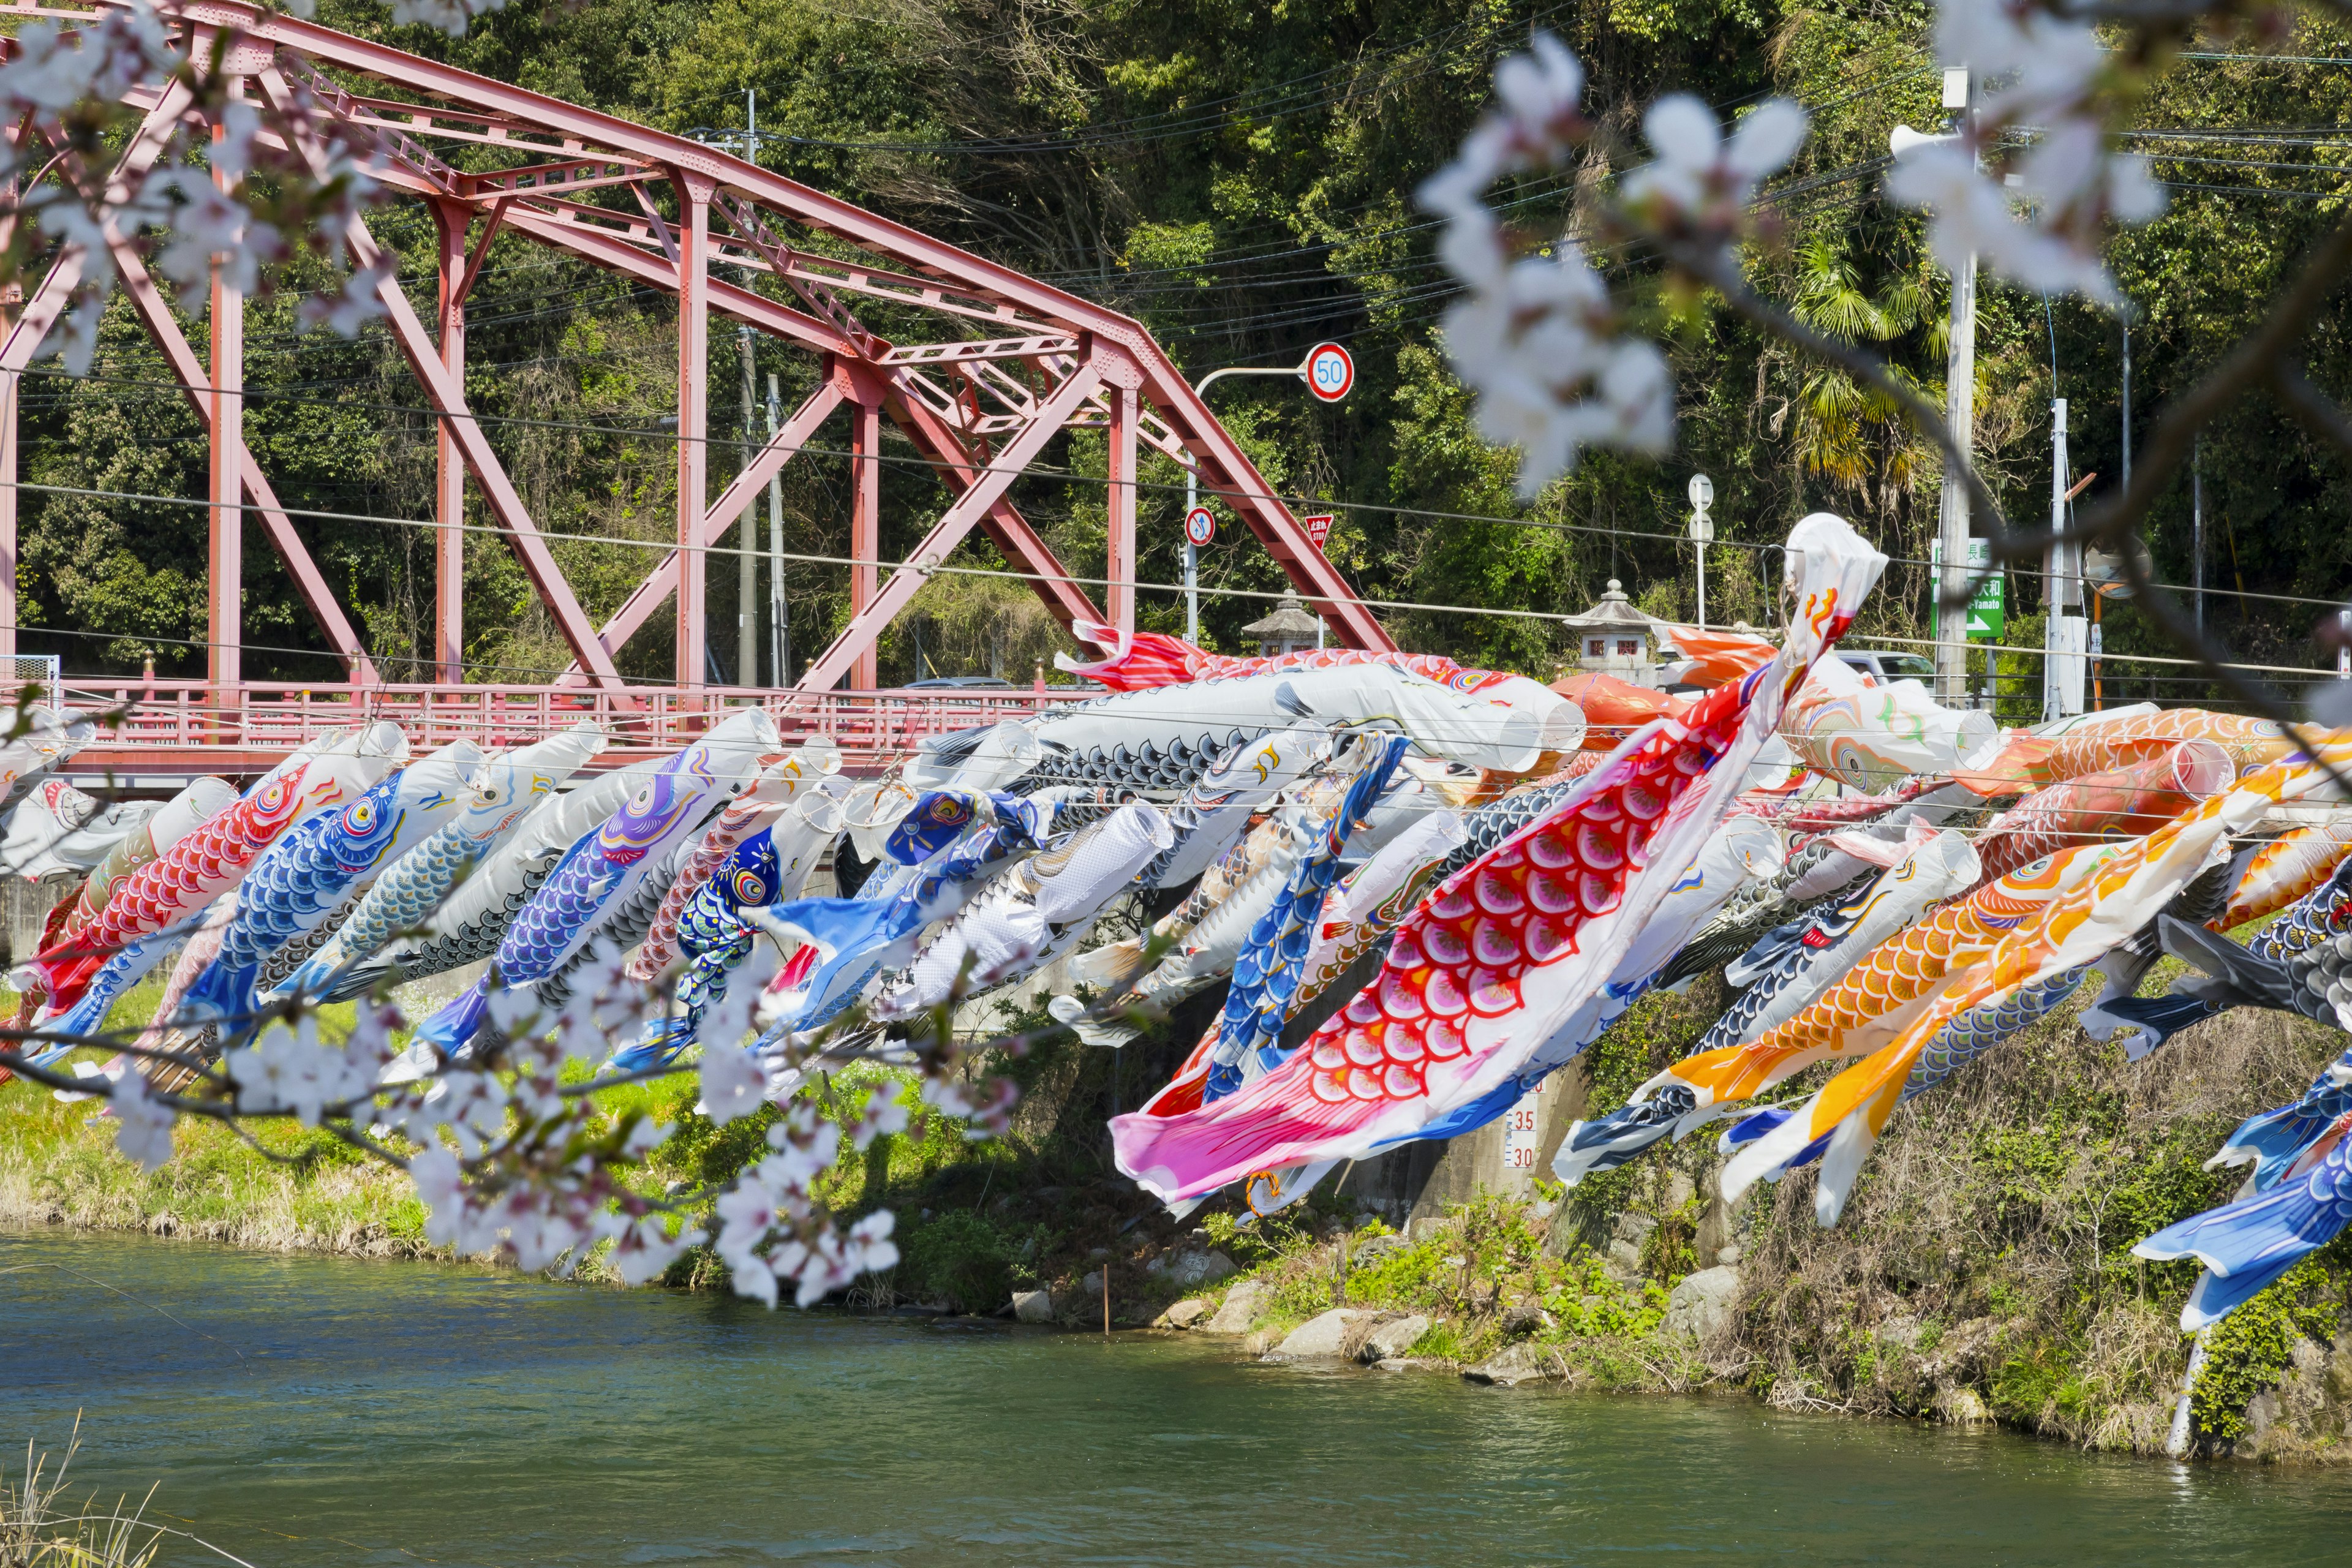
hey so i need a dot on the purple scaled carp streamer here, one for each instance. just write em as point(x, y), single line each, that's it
point(606, 866)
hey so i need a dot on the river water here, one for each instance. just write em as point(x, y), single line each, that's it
point(307, 1411)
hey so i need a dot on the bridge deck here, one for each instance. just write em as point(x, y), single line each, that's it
point(157, 735)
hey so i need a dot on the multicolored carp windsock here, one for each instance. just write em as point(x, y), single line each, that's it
point(2124, 802)
point(1507, 727)
point(2103, 742)
point(715, 933)
point(1146, 660)
point(58, 831)
point(1874, 736)
point(1113, 969)
point(51, 736)
point(1799, 966)
point(471, 920)
point(604, 867)
point(2289, 869)
point(204, 799)
point(1357, 919)
point(512, 785)
point(1030, 913)
point(847, 942)
point(796, 775)
point(1220, 926)
point(1868, 1005)
point(2246, 1246)
point(173, 889)
point(1215, 812)
point(2072, 931)
point(1505, 954)
point(317, 869)
point(1270, 968)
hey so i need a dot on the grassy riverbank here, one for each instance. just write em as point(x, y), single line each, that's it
point(1982, 1271)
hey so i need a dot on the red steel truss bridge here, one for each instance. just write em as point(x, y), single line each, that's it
point(1003, 364)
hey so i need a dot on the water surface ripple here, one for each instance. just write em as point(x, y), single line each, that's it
point(388, 1414)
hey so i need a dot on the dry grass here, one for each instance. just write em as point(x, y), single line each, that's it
point(1987, 1248)
point(36, 1531)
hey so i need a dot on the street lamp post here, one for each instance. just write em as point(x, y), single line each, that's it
point(1328, 373)
point(1959, 416)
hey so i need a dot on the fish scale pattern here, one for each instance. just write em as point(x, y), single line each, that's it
point(288, 891)
point(410, 890)
point(2125, 802)
point(1267, 975)
point(1969, 1035)
point(1462, 957)
point(2287, 870)
point(178, 883)
point(1889, 977)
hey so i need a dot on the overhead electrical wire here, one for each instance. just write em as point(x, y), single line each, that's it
point(910, 460)
point(930, 569)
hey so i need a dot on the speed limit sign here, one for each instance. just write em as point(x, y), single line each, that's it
point(1199, 525)
point(1330, 372)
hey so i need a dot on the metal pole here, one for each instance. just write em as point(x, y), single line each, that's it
point(1959, 413)
point(2065, 638)
point(1191, 556)
point(780, 618)
point(2197, 528)
point(2127, 396)
point(747, 560)
point(1701, 547)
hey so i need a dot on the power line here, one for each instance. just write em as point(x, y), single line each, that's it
point(941, 465)
point(927, 569)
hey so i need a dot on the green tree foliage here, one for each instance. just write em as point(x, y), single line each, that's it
point(1239, 177)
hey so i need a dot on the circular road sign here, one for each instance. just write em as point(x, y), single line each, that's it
point(1702, 492)
point(1199, 525)
point(1330, 373)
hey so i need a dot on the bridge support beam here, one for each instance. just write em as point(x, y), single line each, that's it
point(1118, 503)
point(694, 193)
point(855, 644)
point(453, 219)
point(224, 623)
point(865, 538)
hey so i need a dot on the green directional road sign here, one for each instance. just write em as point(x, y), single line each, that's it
point(1987, 608)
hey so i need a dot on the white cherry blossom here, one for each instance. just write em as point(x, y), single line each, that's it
point(733, 1082)
point(2046, 82)
point(145, 1131)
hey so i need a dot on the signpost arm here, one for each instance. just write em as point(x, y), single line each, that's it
point(1191, 558)
point(1303, 371)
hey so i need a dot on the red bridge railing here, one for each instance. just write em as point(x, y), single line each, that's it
point(166, 728)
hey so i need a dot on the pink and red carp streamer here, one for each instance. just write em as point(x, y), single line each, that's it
point(1486, 980)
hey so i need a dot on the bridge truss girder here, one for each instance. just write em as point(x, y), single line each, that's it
point(1025, 362)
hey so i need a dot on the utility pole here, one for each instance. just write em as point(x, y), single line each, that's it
point(2065, 637)
point(779, 615)
point(747, 559)
point(1953, 589)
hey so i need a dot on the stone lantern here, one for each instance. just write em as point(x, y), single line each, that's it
point(1613, 638)
point(1288, 630)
